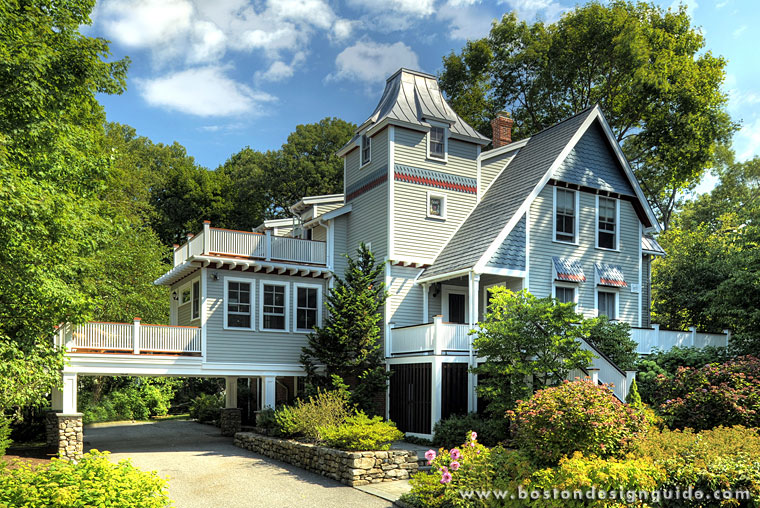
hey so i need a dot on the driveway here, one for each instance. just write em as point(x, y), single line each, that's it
point(206, 471)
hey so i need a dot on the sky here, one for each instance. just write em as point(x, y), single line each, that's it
point(219, 75)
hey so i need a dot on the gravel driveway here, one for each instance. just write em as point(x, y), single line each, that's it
point(206, 470)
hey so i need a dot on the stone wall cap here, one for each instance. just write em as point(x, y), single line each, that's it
point(69, 415)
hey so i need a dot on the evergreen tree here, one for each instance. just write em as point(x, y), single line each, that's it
point(633, 398)
point(347, 348)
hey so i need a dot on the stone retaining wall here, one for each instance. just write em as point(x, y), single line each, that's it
point(351, 468)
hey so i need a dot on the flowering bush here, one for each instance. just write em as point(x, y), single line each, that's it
point(574, 416)
point(716, 394)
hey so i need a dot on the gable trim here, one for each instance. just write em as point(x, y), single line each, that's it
point(525, 207)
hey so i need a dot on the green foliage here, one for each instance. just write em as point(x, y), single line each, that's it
point(137, 399)
point(646, 67)
point(348, 344)
point(525, 337)
point(326, 409)
point(360, 432)
point(266, 420)
point(92, 481)
point(716, 394)
point(575, 416)
point(205, 407)
point(633, 398)
point(449, 432)
point(5, 434)
point(613, 338)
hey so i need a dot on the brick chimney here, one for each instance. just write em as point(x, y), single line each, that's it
point(502, 129)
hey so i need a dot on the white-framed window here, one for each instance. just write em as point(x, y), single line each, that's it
point(238, 303)
point(438, 142)
point(307, 310)
point(607, 303)
point(185, 295)
point(607, 220)
point(366, 149)
point(565, 292)
point(566, 208)
point(436, 205)
point(273, 306)
point(196, 308)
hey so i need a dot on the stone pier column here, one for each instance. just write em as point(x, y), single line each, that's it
point(65, 434)
point(230, 420)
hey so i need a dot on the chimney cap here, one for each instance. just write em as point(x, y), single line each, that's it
point(503, 113)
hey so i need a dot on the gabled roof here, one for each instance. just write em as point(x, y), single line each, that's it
point(413, 99)
point(512, 192)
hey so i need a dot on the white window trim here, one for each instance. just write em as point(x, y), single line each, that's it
point(445, 157)
point(296, 286)
point(286, 285)
point(252, 282)
point(361, 150)
point(573, 285)
point(182, 289)
point(617, 224)
point(446, 290)
point(444, 206)
point(607, 289)
point(192, 297)
point(577, 216)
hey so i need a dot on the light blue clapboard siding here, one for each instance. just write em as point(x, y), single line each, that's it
point(542, 248)
point(646, 291)
point(368, 222)
point(592, 163)
point(237, 346)
point(511, 252)
point(340, 245)
point(405, 297)
point(378, 159)
point(490, 169)
point(410, 150)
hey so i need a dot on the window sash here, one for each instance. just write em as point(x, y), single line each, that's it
point(239, 304)
point(273, 309)
point(365, 149)
point(565, 218)
point(565, 294)
point(196, 310)
point(437, 142)
point(606, 304)
point(306, 308)
point(607, 227)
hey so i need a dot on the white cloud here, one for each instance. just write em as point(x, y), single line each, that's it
point(280, 70)
point(747, 140)
point(203, 91)
point(739, 31)
point(547, 10)
point(465, 20)
point(419, 8)
point(145, 23)
point(343, 28)
point(373, 62)
point(691, 5)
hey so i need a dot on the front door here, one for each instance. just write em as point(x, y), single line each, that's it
point(457, 308)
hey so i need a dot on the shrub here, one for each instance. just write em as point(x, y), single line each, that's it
point(205, 408)
point(93, 481)
point(136, 401)
point(265, 419)
point(305, 418)
point(5, 434)
point(613, 338)
point(574, 416)
point(360, 432)
point(449, 432)
point(716, 394)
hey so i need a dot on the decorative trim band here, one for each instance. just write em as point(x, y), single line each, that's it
point(436, 179)
point(366, 184)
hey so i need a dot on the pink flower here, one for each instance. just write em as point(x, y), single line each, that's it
point(455, 454)
point(474, 435)
point(454, 465)
point(445, 477)
point(430, 455)
point(472, 444)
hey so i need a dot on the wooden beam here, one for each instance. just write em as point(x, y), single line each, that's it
point(293, 271)
point(280, 271)
point(270, 269)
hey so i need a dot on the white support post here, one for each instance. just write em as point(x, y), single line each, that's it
point(206, 237)
point(268, 239)
point(594, 375)
point(693, 330)
point(437, 334)
point(270, 393)
point(136, 336)
point(189, 238)
point(389, 351)
point(230, 392)
point(436, 383)
point(69, 393)
point(425, 295)
point(295, 387)
point(728, 336)
point(656, 343)
point(474, 294)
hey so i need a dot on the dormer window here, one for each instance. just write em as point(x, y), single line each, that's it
point(366, 149)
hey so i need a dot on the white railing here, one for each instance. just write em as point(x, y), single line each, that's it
point(649, 339)
point(608, 372)
point(130, 337)
point(228, 242)
point(434, 337)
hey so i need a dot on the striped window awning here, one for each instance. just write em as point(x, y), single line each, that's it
point(568, 269)
point(610, 275)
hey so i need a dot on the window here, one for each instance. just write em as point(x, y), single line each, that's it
point(437, 148)
point(565, 215)
point(185, 296)
point(196, 300)
point(607, 212)
point(366, 149)
point(564, 294)
point(238, 304)
point(605, 303)
point(307, 307)
point(436, 207)
point(273, 300)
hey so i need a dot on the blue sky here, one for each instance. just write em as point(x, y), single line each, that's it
point(219, 75)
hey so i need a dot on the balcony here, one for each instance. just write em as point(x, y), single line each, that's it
point(130, 338)
point(245, 244)
point(436, 338)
